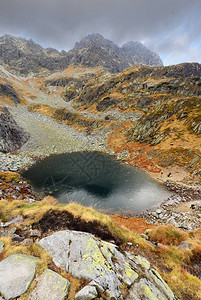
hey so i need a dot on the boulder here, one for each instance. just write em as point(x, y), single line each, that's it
point(16, 273)
point(185, 245)
point(145, 289)
point(87, 293)
point(50, 286)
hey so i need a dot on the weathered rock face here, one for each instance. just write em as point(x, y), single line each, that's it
point(12, 136)
point(138, 54)
point(25, 56)
point(8, 91)
point(106, 268)
point(16, 273)
point(146, 129)
point(50, 286)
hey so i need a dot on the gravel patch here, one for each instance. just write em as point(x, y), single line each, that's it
point(49, 137)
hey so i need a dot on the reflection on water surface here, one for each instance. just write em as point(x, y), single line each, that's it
point(93, 178)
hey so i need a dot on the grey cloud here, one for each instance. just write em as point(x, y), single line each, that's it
point(60, 23)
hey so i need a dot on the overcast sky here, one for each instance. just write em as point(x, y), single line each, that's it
point(172, 28)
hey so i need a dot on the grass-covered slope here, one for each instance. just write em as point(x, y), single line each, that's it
point(179, 265)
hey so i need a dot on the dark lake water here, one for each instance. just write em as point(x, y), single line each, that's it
point(97, 180)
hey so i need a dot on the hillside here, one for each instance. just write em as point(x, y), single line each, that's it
point(25, 57)
point(151, 113)
point(149, 117)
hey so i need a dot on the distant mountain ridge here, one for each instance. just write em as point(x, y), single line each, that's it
point(25, 57)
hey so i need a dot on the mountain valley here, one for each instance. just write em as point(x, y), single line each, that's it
point(119, 101)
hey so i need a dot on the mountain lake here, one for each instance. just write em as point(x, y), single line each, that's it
point(98, 180)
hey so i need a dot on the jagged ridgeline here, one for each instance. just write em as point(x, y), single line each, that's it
point(25, 57)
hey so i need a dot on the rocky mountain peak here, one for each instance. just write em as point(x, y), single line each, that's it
point(137, 53)
point(96, 38)
point(94, 41)
point(23, 56)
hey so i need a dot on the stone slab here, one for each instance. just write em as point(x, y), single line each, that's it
point(50, 286)
point(16, 273)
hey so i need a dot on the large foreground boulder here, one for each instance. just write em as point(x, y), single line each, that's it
point(105, 267)
point(16, 274)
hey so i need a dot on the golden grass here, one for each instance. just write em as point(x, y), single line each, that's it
point(34, 212)
point(167, 235)
point(170, 256)
point(9, 176)
point(185, 285)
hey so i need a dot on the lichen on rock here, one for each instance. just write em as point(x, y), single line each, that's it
point(105, 267)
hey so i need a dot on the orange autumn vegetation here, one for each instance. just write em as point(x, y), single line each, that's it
point(167, 235)
point(138, 152)
point(134, 224)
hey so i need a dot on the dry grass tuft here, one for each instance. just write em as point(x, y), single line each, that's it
point(185, 285)
point(167, 235)
point(50, 200)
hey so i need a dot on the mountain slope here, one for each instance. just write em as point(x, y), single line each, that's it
point(152, 113)
point(149, 116)
point(25, 57)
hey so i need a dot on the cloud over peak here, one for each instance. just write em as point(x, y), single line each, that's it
point(167, 27)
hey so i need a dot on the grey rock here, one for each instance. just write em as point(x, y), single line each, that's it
point(143, 262)
point(159, 211)
point(84, 256)
point(16, 273)
point(26, 57)
point(35, 233)
point(87, 293)
point(98, 287)
point(144, 289)
point(6, 224)
point(12, 136)
point(50, 286)
point(7, 232)
point(162, 285)
point(154, 214)
point(1, 246)
point(17, 238)
point(172, 221)
point(17, 220)
point(27, 241)
point(185, 245)
point(144, 236)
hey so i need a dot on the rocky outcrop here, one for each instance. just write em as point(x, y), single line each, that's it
point(105, 270)
point(105, 267)
point(27, 57)
point(147, 129)
point(9, 91)
point(12, 136)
